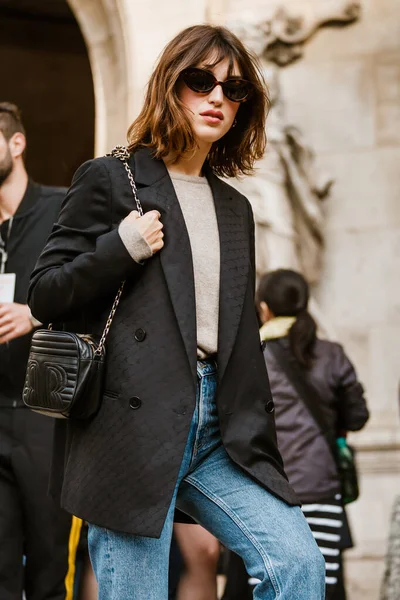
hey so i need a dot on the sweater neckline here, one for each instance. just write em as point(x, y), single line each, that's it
point(200, 179)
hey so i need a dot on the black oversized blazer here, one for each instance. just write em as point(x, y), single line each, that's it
point(119, 469)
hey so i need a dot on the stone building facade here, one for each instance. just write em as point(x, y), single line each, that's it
point(345, 94)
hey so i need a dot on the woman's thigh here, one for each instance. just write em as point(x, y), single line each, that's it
point(273, 538)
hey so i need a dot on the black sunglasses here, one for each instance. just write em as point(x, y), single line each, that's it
point(203, 82)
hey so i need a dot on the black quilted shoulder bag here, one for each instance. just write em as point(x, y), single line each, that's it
point(65, 371)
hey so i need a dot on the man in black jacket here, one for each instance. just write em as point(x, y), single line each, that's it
point(34, 532)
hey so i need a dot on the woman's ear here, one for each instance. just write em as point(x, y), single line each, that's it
point(265, 312)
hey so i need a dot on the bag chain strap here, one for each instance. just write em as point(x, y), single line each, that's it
point(122, 153)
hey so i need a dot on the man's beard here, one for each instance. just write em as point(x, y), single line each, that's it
point(6, 167)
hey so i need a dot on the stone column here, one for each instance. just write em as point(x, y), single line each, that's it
point(124, 39)
point(101, 22)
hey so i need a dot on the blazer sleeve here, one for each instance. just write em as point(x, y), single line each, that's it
point(84, 258)
point(353, 410)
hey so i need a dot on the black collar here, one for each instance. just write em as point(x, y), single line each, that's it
point(29, 199)
point(148, 170)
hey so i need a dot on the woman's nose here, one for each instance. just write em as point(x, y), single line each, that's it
point(216, 95)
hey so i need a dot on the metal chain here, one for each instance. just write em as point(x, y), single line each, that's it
point(100, 347)
point(133, 186)
point(122, 153)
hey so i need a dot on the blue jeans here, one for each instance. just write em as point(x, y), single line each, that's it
point(273, 538)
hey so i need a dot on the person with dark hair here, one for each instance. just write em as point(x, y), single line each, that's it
point(186, 416)
point(293, 351)
point(34, 531)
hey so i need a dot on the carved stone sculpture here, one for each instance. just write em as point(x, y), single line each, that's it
point(280, 35)
point(286, 194)
point(287, 189)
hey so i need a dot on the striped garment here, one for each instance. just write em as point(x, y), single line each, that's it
point(326, 522)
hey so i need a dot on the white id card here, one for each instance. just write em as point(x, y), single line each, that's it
point(7, 287)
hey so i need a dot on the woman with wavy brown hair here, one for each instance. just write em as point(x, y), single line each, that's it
point(186, 419)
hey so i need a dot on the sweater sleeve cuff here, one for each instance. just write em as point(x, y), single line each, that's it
point(134, 242)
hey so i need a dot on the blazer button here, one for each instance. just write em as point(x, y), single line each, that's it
point(135, 403)
point(269, 407)
point(140, 334)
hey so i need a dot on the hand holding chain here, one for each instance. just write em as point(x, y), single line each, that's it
point(122, 153)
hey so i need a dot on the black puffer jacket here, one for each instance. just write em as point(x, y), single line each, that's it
point(308, 460)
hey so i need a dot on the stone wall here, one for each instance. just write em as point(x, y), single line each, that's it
point(345, 95)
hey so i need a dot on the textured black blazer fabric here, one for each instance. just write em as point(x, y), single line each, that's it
point(119, 469)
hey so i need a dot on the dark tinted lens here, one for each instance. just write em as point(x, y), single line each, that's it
point(236, 89)
point(198, 81)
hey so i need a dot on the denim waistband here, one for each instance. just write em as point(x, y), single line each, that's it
point(206, 366)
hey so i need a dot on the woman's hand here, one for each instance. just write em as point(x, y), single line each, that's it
point(149, 226)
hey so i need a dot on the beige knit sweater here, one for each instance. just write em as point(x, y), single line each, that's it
point(197, 204)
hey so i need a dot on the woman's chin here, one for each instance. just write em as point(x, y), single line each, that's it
point(209, 137)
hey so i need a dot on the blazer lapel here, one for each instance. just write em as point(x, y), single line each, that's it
point(155, 190)
point(235, 265)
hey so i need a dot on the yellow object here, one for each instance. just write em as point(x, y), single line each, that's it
point(276, 328)
point(73, 542)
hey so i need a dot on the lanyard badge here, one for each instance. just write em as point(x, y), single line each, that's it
point(7, 287)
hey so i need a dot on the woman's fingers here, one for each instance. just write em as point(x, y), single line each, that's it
point(149, 227)
point(157, 246)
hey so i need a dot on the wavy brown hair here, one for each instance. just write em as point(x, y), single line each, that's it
point(163, 123)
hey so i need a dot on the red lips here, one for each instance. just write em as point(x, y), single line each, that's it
point(216, 114)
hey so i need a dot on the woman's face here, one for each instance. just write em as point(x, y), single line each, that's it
point(212, 113)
